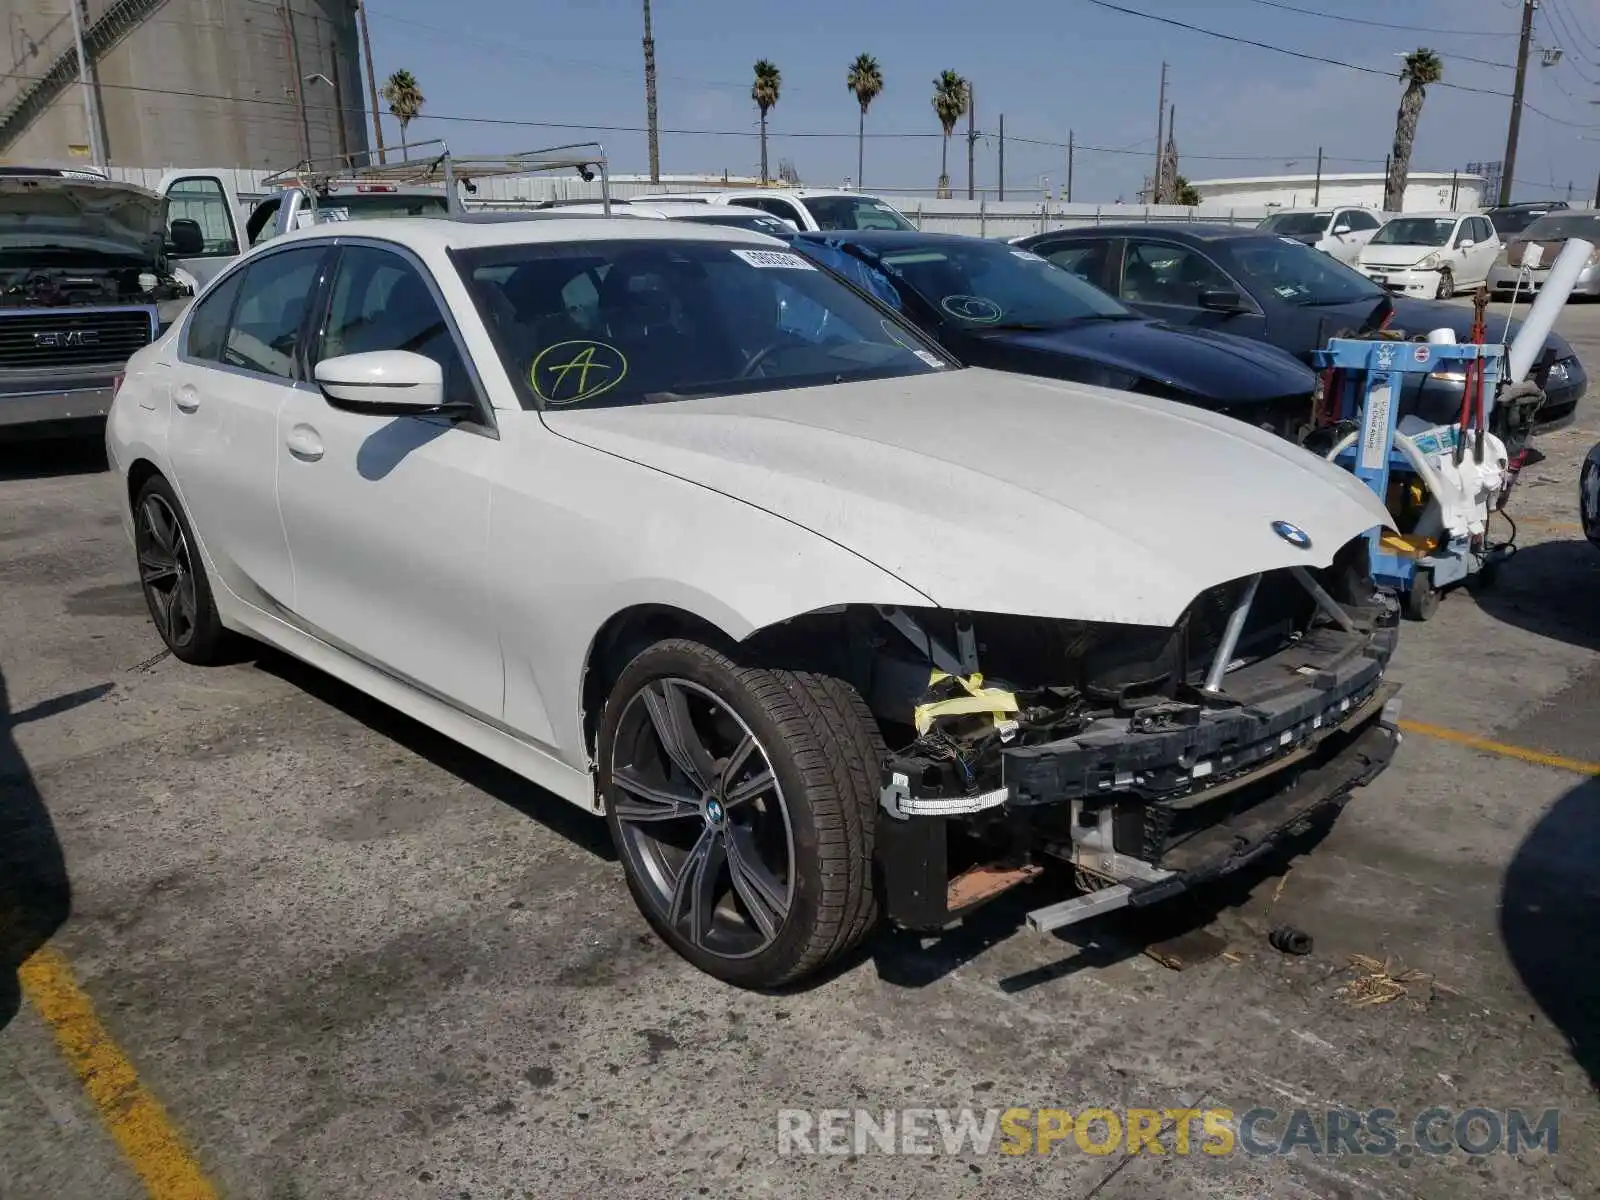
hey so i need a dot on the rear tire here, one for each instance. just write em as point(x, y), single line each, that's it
point(743, 802)
point(1447, 285)
point(1422, 600)
point(173, 577)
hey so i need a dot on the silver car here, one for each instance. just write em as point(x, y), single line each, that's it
point(1550, 234)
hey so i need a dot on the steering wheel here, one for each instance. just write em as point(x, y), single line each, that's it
point(759, 357)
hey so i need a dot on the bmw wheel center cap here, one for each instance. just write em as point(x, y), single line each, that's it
point(1292, 534)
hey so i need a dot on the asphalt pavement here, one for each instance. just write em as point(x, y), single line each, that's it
point(261, 937)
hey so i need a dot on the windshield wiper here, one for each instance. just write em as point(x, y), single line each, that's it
point(1038, 326)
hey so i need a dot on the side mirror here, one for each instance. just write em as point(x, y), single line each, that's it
point(1465, 244)
point(385, 383)
point(1338, 229)
point(1222, 300)
point(187, 239)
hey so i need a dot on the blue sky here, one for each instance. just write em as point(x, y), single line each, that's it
point(1048, 65)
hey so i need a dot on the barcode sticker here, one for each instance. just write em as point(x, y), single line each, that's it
point(774, 260)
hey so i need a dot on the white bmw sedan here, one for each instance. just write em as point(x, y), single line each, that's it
point(687, 531)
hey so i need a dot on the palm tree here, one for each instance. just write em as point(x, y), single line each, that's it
point(765, 93)
point(652, 124)
point(1422, 68)
point(405, 101)
point(866, 81)
point(951, 97)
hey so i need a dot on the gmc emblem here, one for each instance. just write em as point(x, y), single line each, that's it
point(67, 337)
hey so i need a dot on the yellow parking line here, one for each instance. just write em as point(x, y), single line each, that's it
point(134, 1117)
point(1539, 757)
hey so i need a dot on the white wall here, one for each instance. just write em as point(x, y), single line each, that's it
point(1424, 193)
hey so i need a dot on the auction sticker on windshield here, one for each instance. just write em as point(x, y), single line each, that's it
point(571, 372)
point(978, 309)
point(774, 259)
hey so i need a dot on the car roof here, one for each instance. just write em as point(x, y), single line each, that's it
point(706, 197)
point(1438, 214)
point(885, 238)
point(1197, 230)
point(516, 229)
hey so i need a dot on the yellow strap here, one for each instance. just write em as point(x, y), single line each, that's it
point(979, 699)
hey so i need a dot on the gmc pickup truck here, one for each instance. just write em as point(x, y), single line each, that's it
point(85, 280)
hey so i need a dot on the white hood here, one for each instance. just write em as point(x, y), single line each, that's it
point(1005, 493)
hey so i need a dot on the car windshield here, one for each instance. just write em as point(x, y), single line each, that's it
point(647, 319)
point(1558, 226)
point(1415, 231)
point(1508, 221)
point(981, 284)
point(854, 212)
point(1297, 274)
point(1296, 224)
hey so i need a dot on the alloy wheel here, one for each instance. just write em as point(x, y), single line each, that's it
point(166, 571)
point(704, 825)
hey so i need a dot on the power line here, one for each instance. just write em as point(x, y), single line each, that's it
point(1344, 20)
point(515, 122)
point(1573, 16)
point(1332, 62)
point(1558, 20)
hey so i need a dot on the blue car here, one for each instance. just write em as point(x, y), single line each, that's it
point(994, 305)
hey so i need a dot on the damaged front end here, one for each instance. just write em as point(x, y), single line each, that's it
point(1146, 759)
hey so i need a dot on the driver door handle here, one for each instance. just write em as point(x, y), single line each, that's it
point(305, 443)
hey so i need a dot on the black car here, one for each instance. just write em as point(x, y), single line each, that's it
point(994, 305)
point(1277, 290)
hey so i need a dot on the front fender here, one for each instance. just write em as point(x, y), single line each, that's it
point(598, 534)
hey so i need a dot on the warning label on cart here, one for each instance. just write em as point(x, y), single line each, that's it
point(1375, 433)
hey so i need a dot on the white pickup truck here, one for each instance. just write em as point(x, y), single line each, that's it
point(433, 183)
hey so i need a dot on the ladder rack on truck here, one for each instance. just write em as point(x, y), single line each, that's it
point(439, 168)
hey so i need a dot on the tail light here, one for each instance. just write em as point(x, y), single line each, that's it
point(116, 383)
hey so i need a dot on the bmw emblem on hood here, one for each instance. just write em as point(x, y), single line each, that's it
point(1292, 534)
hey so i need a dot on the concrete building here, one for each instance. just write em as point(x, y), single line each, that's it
point(1425, 191)
point(228, 83)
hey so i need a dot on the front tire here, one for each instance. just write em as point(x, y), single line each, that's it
point(1589, 496)
point(1447, 285)
point(173, 577)
point(742, 801)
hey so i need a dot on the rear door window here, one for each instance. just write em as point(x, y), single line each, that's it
point(208, 325)
point(265, 332)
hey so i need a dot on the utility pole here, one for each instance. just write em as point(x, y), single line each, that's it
point(372, 85)
point(1069, 172)
point(650, 97)
point(972, 138)
point(90, 117)
point(1515, 126)
point(299, 79)
point(1161, 116)
point(1002, 156)
point(1316, 193)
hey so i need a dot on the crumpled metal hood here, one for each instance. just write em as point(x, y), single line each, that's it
point(1006, 493)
